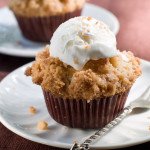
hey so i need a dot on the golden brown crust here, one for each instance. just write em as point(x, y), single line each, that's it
point(98, 78)
point(39, 8)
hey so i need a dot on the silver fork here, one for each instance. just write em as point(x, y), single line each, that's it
point(142, 102)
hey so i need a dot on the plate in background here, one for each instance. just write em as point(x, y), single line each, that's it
point(18, 93)
point(13, 43)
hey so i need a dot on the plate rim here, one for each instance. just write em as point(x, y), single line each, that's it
point(31, 54)
point(27, 136)
point(116, 21)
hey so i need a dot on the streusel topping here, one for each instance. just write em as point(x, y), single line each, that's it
point(99, 78)
point(39, 8)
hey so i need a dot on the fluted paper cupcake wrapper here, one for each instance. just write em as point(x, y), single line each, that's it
point(41, 29)
point(82, 114)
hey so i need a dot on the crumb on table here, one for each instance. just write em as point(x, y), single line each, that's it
point(42, 125)
point(32, 110)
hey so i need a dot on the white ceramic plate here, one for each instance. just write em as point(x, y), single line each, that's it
point(13, 43)
point(17, 93)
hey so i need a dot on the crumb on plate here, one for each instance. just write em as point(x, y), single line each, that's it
point(32, 110)
point(42, 125)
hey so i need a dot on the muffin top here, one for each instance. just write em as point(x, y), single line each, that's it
point(40, 8)
point(82, 62)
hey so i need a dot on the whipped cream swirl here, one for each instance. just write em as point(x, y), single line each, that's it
point(81, 39)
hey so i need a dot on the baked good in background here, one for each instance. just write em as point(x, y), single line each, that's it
point(38, 19)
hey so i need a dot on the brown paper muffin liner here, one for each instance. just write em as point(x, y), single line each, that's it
point(41, 29)
point(82, 114)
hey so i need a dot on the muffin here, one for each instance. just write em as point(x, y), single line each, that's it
point(84, 78)
point(38, 19)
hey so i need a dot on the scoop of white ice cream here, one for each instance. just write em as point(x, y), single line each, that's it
point(81, 39)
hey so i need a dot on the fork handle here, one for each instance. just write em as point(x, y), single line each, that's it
point(85, 145)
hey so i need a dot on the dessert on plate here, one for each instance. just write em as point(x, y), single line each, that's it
point(38, 19)
point(84, 78)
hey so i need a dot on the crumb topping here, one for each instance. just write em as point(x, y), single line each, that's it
point(38, 8)
point(98, 78)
